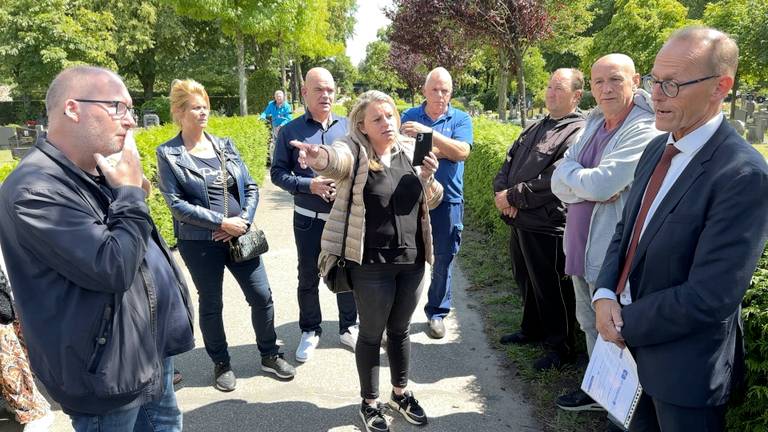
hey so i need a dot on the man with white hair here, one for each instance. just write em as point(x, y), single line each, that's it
point(451, 142)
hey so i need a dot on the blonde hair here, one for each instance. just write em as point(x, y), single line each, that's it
point(181, 92)
point(357, 116)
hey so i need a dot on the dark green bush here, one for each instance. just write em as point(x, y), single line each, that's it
point(160, 105)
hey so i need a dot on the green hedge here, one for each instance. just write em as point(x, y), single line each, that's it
point(248, 133)
point(492, 139)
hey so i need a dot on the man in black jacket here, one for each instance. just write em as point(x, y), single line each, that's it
point(102, 304)
point(537, 221)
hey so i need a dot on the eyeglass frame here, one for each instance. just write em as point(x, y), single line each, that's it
point(115, 103)
point(653, 81)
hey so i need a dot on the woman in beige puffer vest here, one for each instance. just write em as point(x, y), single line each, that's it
point(389, 239)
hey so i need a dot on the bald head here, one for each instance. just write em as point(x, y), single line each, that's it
point(77, 82)
point(613, 82)
point(437, 90)
point(714, 50)
point(439, 74)
point(319, 92)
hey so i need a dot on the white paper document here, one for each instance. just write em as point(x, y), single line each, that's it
point(611, 380)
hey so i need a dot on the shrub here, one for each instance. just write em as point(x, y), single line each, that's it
point(6, 169)
point(160, 105)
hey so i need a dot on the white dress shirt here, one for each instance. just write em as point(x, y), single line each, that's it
point(689, 146)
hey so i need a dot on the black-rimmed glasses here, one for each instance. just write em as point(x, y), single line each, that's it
point(121, 108)
point(669, 87)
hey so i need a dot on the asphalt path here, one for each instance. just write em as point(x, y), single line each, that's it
point(460, 380)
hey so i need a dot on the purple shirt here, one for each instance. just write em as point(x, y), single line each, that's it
point(579, 215)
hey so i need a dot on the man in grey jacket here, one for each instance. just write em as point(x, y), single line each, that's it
point(593, 178)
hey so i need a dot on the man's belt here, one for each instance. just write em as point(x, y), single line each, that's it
point(310, 213)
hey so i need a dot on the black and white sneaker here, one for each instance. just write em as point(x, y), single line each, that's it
point(409, 407)
point(277, 365)
point(373, 419)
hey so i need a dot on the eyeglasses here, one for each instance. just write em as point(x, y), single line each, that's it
point(121, 108)
point(669, 87)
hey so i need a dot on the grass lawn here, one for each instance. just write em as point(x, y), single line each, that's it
point(488, 269)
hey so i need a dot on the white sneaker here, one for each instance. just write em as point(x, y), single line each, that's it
point(349, 338)
point(307, 345)
point(43, 424)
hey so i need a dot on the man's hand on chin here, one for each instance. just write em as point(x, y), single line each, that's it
point(608, 321)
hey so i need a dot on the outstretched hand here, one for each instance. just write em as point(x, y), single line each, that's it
point(127, 170)
point(310, 155)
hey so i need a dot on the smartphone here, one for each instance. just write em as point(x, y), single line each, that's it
point(423, 147)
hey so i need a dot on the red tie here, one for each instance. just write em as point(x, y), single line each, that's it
point(650, 194)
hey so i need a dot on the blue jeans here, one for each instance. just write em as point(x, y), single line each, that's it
point(446, 234)
point(307, 232)
point(206, 261)
point(160, 415)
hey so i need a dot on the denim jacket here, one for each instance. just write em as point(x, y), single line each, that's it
point(183, 187)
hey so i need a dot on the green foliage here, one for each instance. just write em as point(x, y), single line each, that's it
point(752, 414)
point(248, 133)
point(637, 29)
point(160, 105)
point(491, 141)
point(6, 169)
point(375, 73)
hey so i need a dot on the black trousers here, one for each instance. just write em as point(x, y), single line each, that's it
point(549, 307)
point(386, 296)
point(653, 415)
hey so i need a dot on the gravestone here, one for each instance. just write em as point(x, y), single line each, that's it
point(740, 115)
point(6, 134)
point(151, 119)
point(738, 125)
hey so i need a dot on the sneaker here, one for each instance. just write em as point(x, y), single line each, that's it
point(577, 400)
point(224, 379)
point(373, 419)
point(43, 424)
point(409, 407)
point(518, 338)
point(177, 377)
point(307, 345)
point(277, 365)
point(436, 328)
point(349, 337)
point(551, 360)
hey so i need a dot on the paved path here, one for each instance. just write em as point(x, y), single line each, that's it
point(459, 380)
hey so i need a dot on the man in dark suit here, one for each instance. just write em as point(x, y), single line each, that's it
point(691, 233)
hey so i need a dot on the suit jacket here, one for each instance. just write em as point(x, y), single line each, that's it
point(691, 269)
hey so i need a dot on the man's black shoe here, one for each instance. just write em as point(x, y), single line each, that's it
point(551, 360)
point(223, 377)
point(577, 400)
point(518, 338)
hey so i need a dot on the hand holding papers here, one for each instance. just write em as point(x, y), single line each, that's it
point(611, 380)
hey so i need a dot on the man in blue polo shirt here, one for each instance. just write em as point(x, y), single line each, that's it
point(451, 142)
point(312, 201)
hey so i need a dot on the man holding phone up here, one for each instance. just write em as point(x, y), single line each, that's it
point(451, 142)
point(537, 221)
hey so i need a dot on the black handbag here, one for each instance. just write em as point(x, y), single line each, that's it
point(253, 242)
point(338, 279)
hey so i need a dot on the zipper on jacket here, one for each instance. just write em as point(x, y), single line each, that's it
point(102, 337)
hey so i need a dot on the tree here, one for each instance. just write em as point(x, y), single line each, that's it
point(747, 22)
point(637, 29)
point(41, 37)
point(376, 72)
point(512, 26)
point(409, 66)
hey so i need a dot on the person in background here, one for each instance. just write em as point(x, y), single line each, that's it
point(593, 179)
point(278, 110)
point(451, 140)
point(686, 247)
point(194, 187)
point(17, 385)
point(388, 242)
point(313, 197)
point(102, 304)
point(537, 220)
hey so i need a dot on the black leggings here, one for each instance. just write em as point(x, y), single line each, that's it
point(386, 296)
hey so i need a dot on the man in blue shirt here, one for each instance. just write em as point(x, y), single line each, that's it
point(278, 109)
point(451, 142)
point(312, 199)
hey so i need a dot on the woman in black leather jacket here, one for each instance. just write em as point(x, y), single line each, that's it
point(189, 167)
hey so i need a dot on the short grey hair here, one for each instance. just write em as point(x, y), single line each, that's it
point(720, 51)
